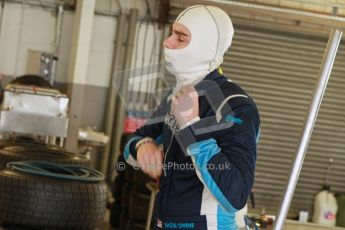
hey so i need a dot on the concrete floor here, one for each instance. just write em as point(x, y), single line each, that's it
point(104, 226)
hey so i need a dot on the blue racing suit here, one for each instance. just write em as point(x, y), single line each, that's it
point(192, 196)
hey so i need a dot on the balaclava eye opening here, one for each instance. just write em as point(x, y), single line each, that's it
point(211, 35)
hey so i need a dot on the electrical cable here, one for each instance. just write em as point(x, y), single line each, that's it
point(148, 10)
point(151, 69)
point(136, 100)
point(136, 44)
point(119, 5)
point(59, 171)
point(134, 94)
point(147, 16)
point(154, 51)
point(142, 65)
point(2, 15)
point(42, 5)
point(155, 38)
point(19, 37)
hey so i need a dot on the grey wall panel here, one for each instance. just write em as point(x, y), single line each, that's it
point(279, 70)
point(93, 111)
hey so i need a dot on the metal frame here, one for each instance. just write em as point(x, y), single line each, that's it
point(120, 111)
point(22, 113)
point(325, 71)
point(153, 189)
point(112, 95)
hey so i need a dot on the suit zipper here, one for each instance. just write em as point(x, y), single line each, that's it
point(165, 156)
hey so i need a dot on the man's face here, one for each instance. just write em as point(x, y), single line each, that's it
point(179, 38)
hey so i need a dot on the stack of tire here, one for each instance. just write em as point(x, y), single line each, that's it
point(41, 202)
point(132, 198)
point(31, 201)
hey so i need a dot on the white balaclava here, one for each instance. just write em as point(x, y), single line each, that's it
point(211, 35)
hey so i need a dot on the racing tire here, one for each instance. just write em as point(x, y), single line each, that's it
point(132, 225)
point(115, 214)
point(42, 153)
point(124, 220)
point(126, 195)
point(138, 206)
point(42, 202)
point(119, 182)
point(139, 181)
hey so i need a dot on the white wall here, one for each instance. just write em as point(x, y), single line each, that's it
point(65, 47)
point(101, 50)
point(32, 27)
point(23, 28)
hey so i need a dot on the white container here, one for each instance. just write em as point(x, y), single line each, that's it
point(303, 216)
point(325, 208)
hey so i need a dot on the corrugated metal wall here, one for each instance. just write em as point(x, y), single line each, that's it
point(280, 69)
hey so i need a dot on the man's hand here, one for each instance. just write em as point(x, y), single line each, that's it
point(185, 105)
point(150, 159)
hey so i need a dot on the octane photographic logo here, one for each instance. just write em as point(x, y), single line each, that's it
point(146, 92)
point(121, 166)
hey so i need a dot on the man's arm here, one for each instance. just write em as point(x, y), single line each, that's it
point(226, 166)
point(152, 129)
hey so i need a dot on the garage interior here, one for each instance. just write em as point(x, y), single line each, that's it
point(79, 76)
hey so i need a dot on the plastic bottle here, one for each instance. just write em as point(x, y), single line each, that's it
point(325, 208)
point(303, 216)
